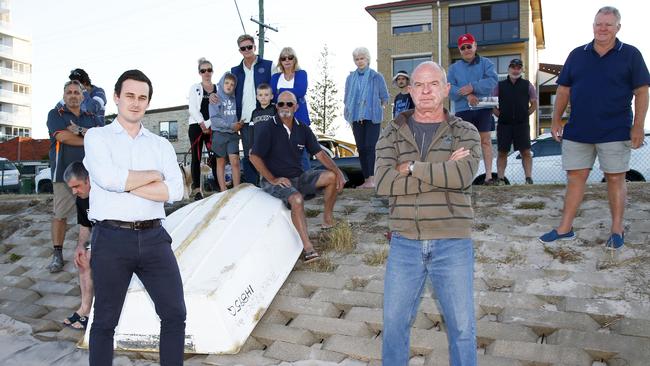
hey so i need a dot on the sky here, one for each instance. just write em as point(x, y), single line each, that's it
point(166, 38)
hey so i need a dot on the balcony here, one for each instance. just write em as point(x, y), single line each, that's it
point(11, 53)
point(15, 76)
point(10, 97)
point(15, 119)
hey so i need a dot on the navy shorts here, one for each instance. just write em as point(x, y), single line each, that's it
point(517, 134)
point(480, 118)
point(304, 184)
point(225, 143)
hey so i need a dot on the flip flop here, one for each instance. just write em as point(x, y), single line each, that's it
point(311, 256)
point(72, 319)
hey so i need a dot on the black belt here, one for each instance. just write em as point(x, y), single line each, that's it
point(133, 225)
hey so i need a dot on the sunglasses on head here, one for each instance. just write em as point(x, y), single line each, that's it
point(284, 58)
point(246, 48)
point(203, 71)
point(282, 104)
point(466, 47)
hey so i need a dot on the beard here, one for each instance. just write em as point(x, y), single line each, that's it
point(283, 113)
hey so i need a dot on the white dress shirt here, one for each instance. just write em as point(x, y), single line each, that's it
point(248, 98)
point(110, 154)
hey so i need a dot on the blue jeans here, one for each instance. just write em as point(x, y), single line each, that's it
point(250, 173)
point(449, 264)
point(118, 254)
point(366, 135)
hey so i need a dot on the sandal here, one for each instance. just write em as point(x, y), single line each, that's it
point(76, 321)
point(311, 256)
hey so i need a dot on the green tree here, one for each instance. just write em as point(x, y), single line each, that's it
point(323, 103)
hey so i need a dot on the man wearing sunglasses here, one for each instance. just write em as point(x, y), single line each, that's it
point(280, 164)
point(250, 73)
point(473, 77)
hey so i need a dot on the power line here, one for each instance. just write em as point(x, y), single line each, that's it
point(240, 19)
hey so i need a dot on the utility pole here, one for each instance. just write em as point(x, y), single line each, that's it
point(262, 29)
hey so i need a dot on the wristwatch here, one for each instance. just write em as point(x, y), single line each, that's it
point(411, 166)
point(80, 131)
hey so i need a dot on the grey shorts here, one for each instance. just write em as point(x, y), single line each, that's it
point(613, 157)
point(225, 143)
point(64, 201)
point(305, 184)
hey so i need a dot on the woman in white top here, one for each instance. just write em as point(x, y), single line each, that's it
point(200, 95)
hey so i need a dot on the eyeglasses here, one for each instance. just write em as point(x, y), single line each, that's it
point(203, 71)
point(284, 58)
point(246, 48)
point(466, 47)
point(282, 104)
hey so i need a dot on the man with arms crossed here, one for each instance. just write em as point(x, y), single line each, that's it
point(426, 161)
point(599, 79)
point(132, 173)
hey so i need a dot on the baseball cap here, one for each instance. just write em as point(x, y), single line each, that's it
point(516, 62)
point(466, 38)
point(79, 75)
point(401, 73)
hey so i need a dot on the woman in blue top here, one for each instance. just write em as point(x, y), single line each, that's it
point(291, 78)
point(365, 98)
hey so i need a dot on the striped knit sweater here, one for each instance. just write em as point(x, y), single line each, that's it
point(435, 202)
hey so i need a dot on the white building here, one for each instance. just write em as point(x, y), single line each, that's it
point(15, 79)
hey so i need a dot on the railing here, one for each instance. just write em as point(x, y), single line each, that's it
point(17, 98)
point(21, 119)
point(21, 76)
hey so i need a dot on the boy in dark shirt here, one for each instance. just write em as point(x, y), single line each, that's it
point(265, 111)
point(403, 101)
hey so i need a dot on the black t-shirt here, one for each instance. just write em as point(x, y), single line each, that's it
point(282, 153)
point(205, 102)
point(423, 134)
point(403, 102)
point(263, 114)
point(83, 204)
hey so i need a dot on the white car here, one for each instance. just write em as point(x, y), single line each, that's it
point(547, 164)
point(9, 176)
point(43, 181)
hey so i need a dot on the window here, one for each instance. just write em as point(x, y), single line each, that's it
point(412, 28)
point(22, 89)
point(169, 130)
point(413, 20)
point(501, 64)
point(21, 67)
point(408, 64)
point(490, 23)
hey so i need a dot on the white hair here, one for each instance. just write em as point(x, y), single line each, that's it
point(430, 64)
point(610, 10)
point(361, 51)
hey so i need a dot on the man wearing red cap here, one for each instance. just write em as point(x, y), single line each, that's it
point(473, 77)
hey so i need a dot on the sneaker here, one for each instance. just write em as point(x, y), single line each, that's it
point(489, 182)
point(553, 235)
point(198, 196)
point(615, 241)
point(56, 265)
point(529, 180)
point(500, 182)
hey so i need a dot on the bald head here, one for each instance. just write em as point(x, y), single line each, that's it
point(287, 105)
point(430, 66)
point(287, 96)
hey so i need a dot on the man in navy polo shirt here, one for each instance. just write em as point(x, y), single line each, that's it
point(280, 164)
point(600, 80)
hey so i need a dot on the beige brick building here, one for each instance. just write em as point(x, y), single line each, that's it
point(412, 31)
point(171, 123)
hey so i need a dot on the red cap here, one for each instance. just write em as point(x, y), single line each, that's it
point(465, 39)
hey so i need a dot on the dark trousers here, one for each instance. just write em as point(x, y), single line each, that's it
point(197, 139)
point(250, 173)
point(366, 135)
point(118, 254)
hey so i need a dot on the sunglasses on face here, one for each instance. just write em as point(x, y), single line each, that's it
point(246, 48)
point(282, 104)
point(284, 58)
point(466, 47)
point(203, 71)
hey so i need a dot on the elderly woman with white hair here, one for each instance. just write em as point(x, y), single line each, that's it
point(365, 98)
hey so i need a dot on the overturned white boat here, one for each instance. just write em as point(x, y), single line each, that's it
point(235, 250)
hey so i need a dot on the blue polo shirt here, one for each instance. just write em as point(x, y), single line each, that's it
point(601, 92)
point(281, 152)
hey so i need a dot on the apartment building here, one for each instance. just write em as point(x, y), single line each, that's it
point(15, 79)
point(412, 31)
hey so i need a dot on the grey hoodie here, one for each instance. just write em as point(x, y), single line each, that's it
point(223, 115)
